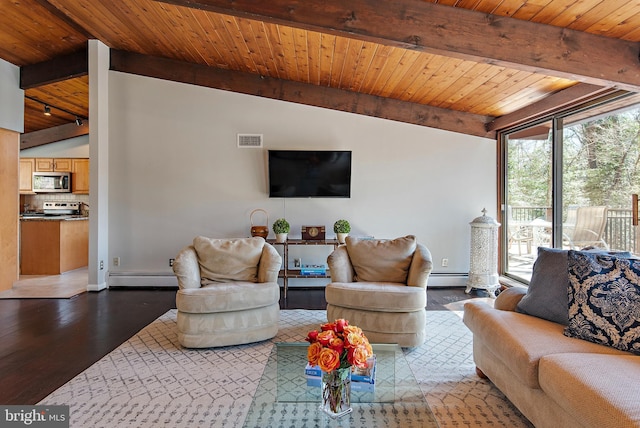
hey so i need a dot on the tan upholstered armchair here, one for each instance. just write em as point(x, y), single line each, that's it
point(380, 286)
point(228, 292)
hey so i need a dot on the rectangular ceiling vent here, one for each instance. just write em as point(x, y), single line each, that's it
point(253, 141)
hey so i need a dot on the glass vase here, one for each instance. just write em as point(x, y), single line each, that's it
point(336, 392)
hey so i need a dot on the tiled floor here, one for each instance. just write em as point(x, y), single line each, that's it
point(61, 286)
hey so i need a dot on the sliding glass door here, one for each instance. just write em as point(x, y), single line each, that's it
point(568, 183)
point(601, 171)
point(527, 208)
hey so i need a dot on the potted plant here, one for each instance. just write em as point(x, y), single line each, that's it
point(281, 228)
point(342, 229)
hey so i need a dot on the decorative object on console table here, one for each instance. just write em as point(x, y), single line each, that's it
point(309, 270)
point(341, 229)
point(262, 231)
point(281, 228)
point(313, 233)
point(483, 272)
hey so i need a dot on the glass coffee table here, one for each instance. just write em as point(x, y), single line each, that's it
point(284, 399)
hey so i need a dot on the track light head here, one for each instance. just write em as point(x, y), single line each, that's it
point(47, 110)
point(78, 121)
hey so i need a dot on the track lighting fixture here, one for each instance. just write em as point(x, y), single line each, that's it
point(79, 120)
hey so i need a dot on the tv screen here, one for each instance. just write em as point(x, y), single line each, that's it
point(309, 174)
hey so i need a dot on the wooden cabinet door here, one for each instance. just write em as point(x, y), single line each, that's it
point(80, 176)
point(27, 166)
point(62, 165)
point(50, 164)
point(44, 164)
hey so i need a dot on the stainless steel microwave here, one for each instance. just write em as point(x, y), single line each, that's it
point(51, 182)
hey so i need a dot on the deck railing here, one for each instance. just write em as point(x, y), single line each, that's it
point(618, 234)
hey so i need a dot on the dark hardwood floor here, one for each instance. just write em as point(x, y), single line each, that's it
point(46, 342)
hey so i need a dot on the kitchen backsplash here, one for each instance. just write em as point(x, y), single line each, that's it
point(35, 202)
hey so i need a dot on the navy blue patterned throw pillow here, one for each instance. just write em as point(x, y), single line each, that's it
point(604, 300)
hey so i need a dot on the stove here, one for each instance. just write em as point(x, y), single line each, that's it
point(60, 208)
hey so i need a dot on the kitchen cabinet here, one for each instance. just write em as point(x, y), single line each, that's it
point(80, 176)
point(51, 247)
point(27, 166)
point(53, 164)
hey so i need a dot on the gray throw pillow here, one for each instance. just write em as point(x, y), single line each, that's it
point(547, 296)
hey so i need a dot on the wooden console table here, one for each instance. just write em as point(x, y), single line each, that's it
point(286, 272)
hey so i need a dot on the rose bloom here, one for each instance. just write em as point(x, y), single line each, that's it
point(328, 326)
point(336, 344)
point(352, 329)
point(341, 324)
point(358, 356)
point(355, 339)
point(328, 360)
point(312, 336)
point(325, 337)
point(313, 352)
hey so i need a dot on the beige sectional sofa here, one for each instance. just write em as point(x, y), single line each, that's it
point(555, 380)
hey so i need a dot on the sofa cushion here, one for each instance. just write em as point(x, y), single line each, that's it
point(224, 260)
point(376, 260)
point(547, 295)
point(520, 340)
point(596, 390)
point(379, 297)
point(604, 300)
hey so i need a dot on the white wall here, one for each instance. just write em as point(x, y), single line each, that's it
point(77, 147)
point(175, 172)
point(11, 98)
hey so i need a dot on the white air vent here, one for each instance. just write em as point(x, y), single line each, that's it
point(250, 140)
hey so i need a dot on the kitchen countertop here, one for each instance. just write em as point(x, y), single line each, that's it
point(42, 217)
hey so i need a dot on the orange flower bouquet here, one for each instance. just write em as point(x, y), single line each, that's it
point(336, 348)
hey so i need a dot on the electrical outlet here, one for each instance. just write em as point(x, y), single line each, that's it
point(116, 261)
point(171, 262)
point(445, 262)
point(101, 264)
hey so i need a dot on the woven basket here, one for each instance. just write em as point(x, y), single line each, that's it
point(262, 231)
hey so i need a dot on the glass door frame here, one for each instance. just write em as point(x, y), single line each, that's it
point(557, 119)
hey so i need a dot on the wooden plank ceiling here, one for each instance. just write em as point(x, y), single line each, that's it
point(454, 64)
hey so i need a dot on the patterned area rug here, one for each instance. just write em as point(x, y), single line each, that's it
point(151, 381)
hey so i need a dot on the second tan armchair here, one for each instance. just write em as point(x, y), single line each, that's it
point(380, 286)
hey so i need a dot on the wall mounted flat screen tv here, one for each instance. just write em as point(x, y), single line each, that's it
point(309, 174)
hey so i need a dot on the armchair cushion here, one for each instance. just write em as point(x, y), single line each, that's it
point(376, 296)
point(381, 260)
point(186, 268)
point(227, 297)
point(226, 260)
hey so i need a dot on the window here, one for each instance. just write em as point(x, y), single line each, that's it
point(568, 183)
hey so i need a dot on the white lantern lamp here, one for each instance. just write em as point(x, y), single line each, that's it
point(483, 270)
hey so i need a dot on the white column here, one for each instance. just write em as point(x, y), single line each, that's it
point(99, 165)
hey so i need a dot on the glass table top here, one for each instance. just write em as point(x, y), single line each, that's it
point(284, 399)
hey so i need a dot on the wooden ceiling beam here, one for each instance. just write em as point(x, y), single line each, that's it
point(561, 100)
point(55, 70)
point(453, 31)
point(301, 93)
point(52, 135)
